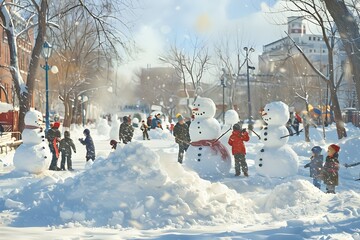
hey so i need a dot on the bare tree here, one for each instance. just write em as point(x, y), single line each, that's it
point(346, 17)
point(228, 54)
point(39, 18)
point(80, 59)
point(316, 12)
point(190, 65)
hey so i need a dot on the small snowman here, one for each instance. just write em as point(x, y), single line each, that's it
point(115, 126)
point(231, 117)
point(33, 155)
point(276, 158)
point(206, 155)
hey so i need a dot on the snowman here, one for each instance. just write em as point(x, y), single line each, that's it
point(231, 117)
point(115, 126)
point(276, 158)
point(33, 155)
point(206, 155)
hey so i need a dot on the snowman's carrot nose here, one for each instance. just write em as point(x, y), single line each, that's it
point(195, 109)
point(264, 114)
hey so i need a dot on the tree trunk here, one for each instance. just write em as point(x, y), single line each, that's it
point(350, 36)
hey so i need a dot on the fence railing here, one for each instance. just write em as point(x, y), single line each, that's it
point(352, 117)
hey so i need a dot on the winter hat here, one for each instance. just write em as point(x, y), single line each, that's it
point(237, 127)
point(56, 124)
point(316, 150)
point(113, 142)
point(179, 117)
point(87, 132)
point(66, 134)
point(335, 147)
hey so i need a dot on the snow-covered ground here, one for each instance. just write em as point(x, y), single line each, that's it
point(140, 191)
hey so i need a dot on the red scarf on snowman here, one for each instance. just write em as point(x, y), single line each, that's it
point(216, 146)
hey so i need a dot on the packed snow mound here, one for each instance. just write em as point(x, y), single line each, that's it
point(157, 133)
point(131, 189)
point(292, 194)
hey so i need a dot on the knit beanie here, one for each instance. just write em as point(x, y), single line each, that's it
point(335, 147)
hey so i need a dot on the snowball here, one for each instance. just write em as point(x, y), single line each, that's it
point(231, 117)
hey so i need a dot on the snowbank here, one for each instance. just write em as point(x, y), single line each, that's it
point(157, 133)
point(130, 189)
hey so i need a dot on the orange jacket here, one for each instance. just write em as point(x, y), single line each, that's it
point(236, 141)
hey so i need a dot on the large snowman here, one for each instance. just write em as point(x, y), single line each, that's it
point(276, 158)
point(33, 155)
point(206, 155)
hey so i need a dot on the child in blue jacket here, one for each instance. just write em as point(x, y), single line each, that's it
point(316, 165)
point(88, 142)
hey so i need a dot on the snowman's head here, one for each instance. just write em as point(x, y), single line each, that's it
point(33, 118)
point(203, 108)
point(276, 113)
point(231, 117)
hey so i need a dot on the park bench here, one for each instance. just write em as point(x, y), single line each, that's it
point(8, 142)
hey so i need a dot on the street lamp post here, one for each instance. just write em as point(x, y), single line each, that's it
point(47, 48)
point(223, 94)
point(248, 51)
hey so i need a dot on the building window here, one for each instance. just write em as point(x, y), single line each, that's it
point(310, 50)
point(314, 38)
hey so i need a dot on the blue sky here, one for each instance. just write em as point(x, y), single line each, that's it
point(159, 23)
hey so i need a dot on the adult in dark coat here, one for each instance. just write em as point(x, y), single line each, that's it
point(126, 131)
point(66, 144)
point(89, 144)
point(330, 171)
point(182, 136)
point(53, 136)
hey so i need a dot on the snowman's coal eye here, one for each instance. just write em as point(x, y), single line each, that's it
point(199, 105)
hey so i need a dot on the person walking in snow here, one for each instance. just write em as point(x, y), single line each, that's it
point(89, 144)
point(330, 171)
point(53, 136)
point(144, 128)
point(182, 136)
point(126, 131)
point(316, 165)
point(236, 141)
point(66, 144)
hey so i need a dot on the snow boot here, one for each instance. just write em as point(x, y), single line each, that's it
point(246, 174)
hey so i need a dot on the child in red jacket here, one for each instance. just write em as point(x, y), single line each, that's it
point(236, 141)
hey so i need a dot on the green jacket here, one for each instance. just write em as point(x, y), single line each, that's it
point(66, 144)
point(181, 133)
point(126, 132)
